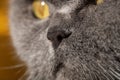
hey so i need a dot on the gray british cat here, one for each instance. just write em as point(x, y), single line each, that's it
point(78, 41)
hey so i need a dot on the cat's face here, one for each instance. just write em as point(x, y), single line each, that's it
point(78, 41)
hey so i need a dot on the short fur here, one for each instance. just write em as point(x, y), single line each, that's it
point(91, 52)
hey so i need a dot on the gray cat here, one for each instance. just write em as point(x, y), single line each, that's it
point(78, 41)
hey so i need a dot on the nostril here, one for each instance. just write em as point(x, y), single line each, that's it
point(56, 36)
point(59, 38)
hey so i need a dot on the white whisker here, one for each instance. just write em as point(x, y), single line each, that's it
point(22, 69)
point(12, 67)
point(23, 76)
point(115, 74)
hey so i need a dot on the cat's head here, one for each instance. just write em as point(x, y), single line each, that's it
point(79, 40)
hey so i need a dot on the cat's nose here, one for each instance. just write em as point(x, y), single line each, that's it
point(57, 35)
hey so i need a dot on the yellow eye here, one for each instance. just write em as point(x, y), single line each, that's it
point(99, 1)
point(40, 9)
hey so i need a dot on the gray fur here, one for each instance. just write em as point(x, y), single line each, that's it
point(91, 52)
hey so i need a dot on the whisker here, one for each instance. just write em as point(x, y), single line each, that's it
point(19, 71)
point(12, 67)
point(105, 73)
point(23, 76)
point(115, 73)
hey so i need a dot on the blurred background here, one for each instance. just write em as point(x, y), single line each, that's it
point(9, 62)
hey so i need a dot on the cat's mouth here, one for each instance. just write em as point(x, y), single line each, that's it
point(58, 68)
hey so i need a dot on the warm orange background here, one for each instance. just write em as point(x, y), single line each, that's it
point(7, 53)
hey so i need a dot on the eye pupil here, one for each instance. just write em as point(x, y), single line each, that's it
point(40, 9)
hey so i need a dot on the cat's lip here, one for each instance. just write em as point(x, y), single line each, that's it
point(58, 67)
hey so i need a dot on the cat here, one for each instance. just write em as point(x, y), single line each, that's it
point(80, 40)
